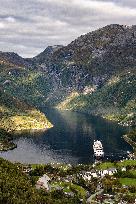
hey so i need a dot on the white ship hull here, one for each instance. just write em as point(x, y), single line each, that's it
point(98, 149)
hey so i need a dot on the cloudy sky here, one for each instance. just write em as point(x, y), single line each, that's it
point(29, 26)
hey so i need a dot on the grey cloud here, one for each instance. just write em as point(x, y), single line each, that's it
point(128, 3)
point(27, 27)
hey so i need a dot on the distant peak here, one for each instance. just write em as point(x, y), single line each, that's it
point(116, 26)
point(53, 47)
point(9, 53)
point(56, 46)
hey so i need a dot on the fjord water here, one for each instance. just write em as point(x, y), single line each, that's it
point(70, 140)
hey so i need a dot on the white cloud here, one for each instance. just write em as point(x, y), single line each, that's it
point(2, 25)
point(10, 19)
point(27, 27)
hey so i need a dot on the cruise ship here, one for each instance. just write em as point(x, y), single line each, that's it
point(98, 149)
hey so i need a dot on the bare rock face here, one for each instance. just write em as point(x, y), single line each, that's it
point(13, 60)
point(89, 61)
point(92, 58)
point(45, 56)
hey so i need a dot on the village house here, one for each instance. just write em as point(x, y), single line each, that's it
point(110, 172)
point(43, 182)
point(26, 169)
point(89, 174)
point(123, 169)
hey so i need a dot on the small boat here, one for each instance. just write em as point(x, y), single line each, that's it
point(98, 149)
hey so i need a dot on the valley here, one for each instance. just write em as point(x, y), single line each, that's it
point(52, 108)
point(94, 74)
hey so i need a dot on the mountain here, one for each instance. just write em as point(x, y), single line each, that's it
point(12, 60)
point(93, 57)
point(85, 67)
point(106, 49)
point(45, 55)
point(90, 60)
point(96, 73)
point(15, 113)
point(115, 100)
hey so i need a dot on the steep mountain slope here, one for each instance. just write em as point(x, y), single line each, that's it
point(88, 62)
point(116, 100)
point(12, 60)
point(16, 114)
point(20, 78)
point(94, 57)
point(106, 49)
point(45, 55)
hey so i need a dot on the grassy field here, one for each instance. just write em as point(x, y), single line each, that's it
point(128, 181)
point(125, 163)
point(70, 187)
point(105, 165)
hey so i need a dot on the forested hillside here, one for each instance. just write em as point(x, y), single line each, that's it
point(115, 100)
point(17, 115)
point(18, 188)
point(94, 73)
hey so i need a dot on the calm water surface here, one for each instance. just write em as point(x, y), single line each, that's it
point(70, 140)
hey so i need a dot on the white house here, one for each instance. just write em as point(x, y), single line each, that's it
point(43, 182)
point(89, 174)
point(123, 169)
point(110, 172)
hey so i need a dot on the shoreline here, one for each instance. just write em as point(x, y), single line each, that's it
point(127, 138)
point(6, 146)
point(97, 115)
point(33, 130)
point(6, 140)
point(133, 145)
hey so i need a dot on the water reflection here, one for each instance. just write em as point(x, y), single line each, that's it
point(69, 141)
